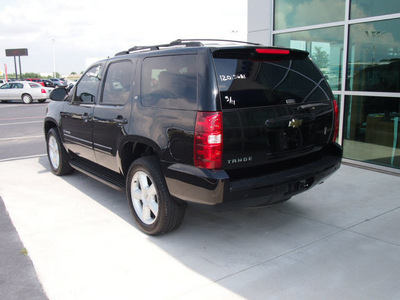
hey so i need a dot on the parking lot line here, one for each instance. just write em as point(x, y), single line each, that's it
point(18, 123)
point(21, 137)
point(22, 157)
point(9, 105)
point(20, 118)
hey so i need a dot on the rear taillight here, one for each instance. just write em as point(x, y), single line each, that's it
point(208, 140)
point(43, 91)
point(336, 121)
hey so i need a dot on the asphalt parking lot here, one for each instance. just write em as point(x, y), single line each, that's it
point(339, 240)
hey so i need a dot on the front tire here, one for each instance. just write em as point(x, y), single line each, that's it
point(58, 157)
point(152, 206)
point(27, 99)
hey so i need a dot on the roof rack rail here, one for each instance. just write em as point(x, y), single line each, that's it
point(180, 42)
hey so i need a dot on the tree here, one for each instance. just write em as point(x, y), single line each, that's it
point(320, 57)
point(31, 75)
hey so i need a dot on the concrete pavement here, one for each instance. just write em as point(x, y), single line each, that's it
point(18, 278)
point(339, 240)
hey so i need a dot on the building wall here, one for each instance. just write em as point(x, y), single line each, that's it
point(356, 44)
point(259, 22)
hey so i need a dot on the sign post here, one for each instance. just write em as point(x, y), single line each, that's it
point(19, 53)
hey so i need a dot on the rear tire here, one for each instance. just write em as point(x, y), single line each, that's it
point(27, 99)
point(58, 157)
point(153, 208)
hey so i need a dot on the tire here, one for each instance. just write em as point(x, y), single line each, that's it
point(58, 157)
point(27, 99)
point(153, 208)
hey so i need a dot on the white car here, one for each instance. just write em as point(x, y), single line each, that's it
point(24, 90)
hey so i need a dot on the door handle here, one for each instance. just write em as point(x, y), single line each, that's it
point(120, 121)
point(86, 117)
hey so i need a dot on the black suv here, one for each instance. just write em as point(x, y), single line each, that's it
point(221, 123)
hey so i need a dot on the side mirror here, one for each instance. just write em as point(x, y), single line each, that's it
point(59, 94)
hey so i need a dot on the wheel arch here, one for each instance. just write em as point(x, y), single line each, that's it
point(135, 148)
point(48, 124)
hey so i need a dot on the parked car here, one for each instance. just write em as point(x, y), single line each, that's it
point(37, 80)
point(225, 124)
point(24, 90)
point(63, 81)
point(58, 83)
point(48, 83)
point(3, 81)
point(40, 81)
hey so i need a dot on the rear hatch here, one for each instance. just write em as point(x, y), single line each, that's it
point(276, 106)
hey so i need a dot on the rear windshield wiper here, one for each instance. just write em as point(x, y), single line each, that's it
point(311, 105)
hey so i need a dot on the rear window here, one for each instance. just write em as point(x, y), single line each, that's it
point(249, 83)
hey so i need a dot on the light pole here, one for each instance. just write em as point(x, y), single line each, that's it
point(54, 58)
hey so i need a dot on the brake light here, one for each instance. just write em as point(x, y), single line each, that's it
point(208, 140)
point(43, 91)
point(336, 120)
point(273, 51)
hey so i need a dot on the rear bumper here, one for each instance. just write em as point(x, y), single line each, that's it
point(216, 188)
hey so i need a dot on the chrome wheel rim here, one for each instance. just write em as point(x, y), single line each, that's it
point(26, 99)
point(54, 152)
point(144, 197)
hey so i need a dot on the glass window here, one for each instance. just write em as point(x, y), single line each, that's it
point(17, 85)
point(117, 83)
point(374, 57)
point(325, 47)
point(88, 86)
point(170, 81)
point(370, 8)
point(371, 130)
point(5, 86)
point(297, 13)
point(248, 83)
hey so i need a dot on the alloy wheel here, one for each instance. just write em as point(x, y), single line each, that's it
point(144, 197)
point(54, 153)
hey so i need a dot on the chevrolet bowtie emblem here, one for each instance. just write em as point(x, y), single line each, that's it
point(294, 123)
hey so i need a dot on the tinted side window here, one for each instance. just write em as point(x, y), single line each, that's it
point(170, 82)
point(87, 88)
point(17, 85)
point(118, 83)
point(246, 83)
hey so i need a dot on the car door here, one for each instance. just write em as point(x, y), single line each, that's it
point(4, 91)
point(77, 115)
point(111, 115)
point(15, 91)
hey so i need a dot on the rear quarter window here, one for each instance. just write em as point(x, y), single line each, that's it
point(34, 85)
point(248, 83)
point(170, 82)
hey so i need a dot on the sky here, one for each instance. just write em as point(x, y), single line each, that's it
point(77, 31)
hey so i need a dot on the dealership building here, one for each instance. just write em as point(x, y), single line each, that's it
point(356, 44)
